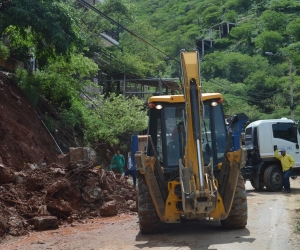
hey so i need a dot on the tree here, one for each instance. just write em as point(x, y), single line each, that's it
point(114, 116)
point(273, 20)
point(269, 41)
point(293, 29)
point(49, 24)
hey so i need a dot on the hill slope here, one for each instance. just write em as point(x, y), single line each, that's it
point(23, 138)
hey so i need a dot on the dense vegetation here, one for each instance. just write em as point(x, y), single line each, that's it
point(236, 65)
point(65, 39)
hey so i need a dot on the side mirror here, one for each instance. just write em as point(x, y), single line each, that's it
point(297, 146)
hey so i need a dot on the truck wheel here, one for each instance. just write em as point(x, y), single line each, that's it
point(238, 214)
point(273, 178)
point(148, 218)
point(260, 186)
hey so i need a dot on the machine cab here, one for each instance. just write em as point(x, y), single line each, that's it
point(167, 130)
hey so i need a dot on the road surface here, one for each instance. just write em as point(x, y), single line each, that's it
point(271, 225)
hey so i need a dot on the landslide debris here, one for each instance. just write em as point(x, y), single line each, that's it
point(71, 193)
point(40, 189)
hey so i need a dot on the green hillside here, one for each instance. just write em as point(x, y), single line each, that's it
point(64, 38)
point(236, 65)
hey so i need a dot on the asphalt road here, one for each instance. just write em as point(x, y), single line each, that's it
point(271, 225)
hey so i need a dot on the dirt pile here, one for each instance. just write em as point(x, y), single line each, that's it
point(71, 193)
point(35, 183)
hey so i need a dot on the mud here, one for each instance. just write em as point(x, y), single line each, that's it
point(23, 138)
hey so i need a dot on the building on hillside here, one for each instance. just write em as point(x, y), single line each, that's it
point(217, 31)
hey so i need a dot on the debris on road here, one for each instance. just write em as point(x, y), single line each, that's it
point(79, 191)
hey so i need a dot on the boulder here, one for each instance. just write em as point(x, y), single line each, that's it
point(76, 154)
point(109, 209)
point(59, 208)
point(82, 154)
point(56, 186)
point(91, 194)
point(7, 175)
point(44, 222)
point(64, 160)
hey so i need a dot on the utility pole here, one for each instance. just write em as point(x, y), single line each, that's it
point(292, 105)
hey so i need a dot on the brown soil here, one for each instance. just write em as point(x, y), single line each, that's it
point(23, 138)
point(33, 183)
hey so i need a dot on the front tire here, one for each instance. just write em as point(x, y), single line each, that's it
point(273, 178)
point(238, 214)
point(149, 221)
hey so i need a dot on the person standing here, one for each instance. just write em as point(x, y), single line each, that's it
point(131, 170)
point(118, 161)
point(287, 163)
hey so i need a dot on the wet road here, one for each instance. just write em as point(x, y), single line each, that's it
point(271, 226)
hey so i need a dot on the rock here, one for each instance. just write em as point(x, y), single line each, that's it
point(44, 223)
point(118, 198)
point(72, 192)
point(82, 154)
point(76, 154)
point(59, 208)
point(133, 207)
point(62, 183)
point(58, 171)
point(64, 160)
point(70, 220)
point(91, 194)
point(94, 213)
point(129, 202)
point(109, 209)
point(90, 182)
point(90, 155)
point(35, 182)
point(7, 175)
point(20, 177)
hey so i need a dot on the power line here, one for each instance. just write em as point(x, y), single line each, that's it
point(124, 28)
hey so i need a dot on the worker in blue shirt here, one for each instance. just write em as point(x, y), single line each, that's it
point(131, 170)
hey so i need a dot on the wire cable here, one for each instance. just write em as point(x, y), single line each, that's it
point(84, 3)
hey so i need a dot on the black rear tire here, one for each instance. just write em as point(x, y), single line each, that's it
point(238, 214)
point(149, 221)
point(273, 178)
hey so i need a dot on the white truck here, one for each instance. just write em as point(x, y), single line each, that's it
point(262, 168)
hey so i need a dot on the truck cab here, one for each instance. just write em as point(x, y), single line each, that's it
point(262, 168)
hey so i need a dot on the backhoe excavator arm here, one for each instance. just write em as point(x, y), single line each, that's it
point(198, 185)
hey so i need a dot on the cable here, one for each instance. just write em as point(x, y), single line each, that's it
point(124, 28)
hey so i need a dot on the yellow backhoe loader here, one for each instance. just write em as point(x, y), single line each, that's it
point(189, 169)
